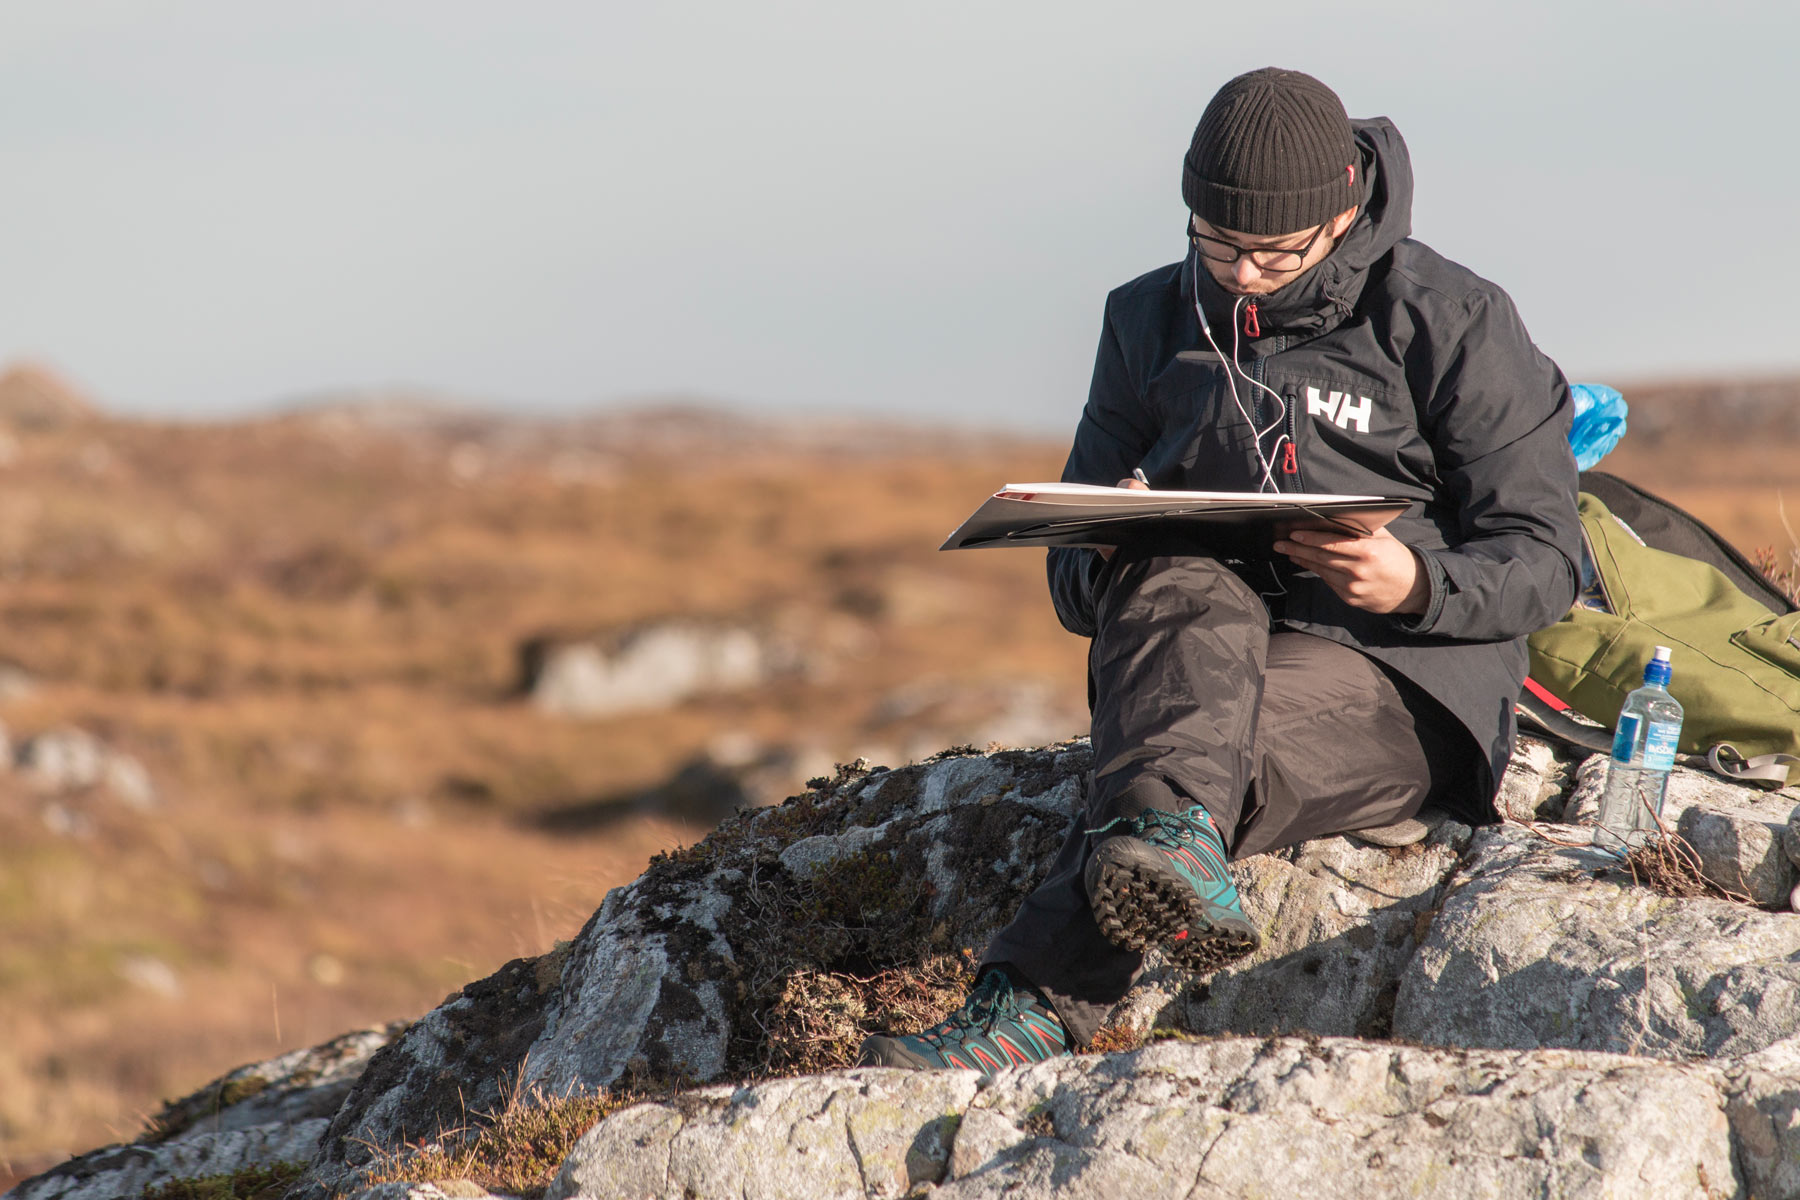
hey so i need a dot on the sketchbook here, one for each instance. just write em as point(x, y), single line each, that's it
point(1085, 514)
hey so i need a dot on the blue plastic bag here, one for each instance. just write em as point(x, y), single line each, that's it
point(1599, 422)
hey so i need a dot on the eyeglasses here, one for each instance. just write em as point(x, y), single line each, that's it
point(1276, 261)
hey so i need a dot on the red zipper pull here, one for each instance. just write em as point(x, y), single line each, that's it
point(1252, 326)
point(1290, 461)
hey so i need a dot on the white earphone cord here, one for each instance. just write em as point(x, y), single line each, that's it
point(1256, 435)
point(1232, 369)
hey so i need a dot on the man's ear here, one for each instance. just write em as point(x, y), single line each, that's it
point(1340, 224)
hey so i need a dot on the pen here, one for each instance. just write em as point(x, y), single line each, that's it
point(1137, 473)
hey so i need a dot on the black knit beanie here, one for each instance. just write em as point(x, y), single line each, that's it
point(1273, 154)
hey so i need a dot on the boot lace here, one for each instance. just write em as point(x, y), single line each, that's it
point(1177, 827)
point(993, 1000)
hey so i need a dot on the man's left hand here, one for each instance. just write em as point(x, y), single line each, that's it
point(1378, 573)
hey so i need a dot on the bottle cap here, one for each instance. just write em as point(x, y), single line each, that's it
point(1657, 669)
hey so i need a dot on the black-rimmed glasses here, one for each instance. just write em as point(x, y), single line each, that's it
point(1276, 261)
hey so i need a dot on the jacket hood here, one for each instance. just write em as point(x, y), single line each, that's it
point(1321, 298)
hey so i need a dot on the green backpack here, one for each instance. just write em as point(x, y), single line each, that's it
point(1736, 664)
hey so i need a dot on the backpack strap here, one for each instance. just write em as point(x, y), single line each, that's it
point(1762, 768)
point(1543, 714)
point(1546, 716)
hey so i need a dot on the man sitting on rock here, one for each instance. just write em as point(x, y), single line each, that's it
point(1305, 343)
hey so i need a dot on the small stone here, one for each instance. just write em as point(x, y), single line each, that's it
point(152, 974)
point(1741, 851)
point(809, 856)
point(63, 760)
point(649, 668)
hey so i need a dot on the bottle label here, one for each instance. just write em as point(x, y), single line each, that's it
point(1625, 740)
point(1659, 746)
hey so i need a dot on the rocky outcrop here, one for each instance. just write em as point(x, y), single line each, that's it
point(264, 1115)
point(1507, 1010)
point(1230, 1118)
point(679, 974)
point(1544, 945)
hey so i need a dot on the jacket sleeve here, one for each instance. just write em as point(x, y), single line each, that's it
point(1498, 421)
point(1115, 433)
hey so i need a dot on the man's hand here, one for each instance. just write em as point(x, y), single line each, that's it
point(1378, 573)
point(1106, 552)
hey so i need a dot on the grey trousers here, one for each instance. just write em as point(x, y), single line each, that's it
point(1282, 736)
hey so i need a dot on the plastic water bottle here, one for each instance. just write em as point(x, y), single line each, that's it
point(1643, 754)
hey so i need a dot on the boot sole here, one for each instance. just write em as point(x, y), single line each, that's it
point(1141, 903)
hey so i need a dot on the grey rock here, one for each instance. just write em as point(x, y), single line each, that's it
point(1763, 1105)
point(651, 667)
point(1540, 945)
point(1740, 849)
point(1228, 1118)
point(68, 759)
point(116, 1171)
point(261, 1115)
point(809, 856)
point(63, 760)
point(1790, 837)
point(865, 1133)
point(454, 1061)
point(299, 1086)
point(1408, 831)
point(1536, 784)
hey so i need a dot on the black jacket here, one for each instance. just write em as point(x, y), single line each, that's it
point(1403, 374)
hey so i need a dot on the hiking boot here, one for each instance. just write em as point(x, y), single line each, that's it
point(1161, 881)
point(999, 1025)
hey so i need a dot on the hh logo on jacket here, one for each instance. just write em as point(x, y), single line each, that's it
point(1341, 408)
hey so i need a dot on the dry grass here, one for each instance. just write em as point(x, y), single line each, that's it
point(257, 1183)
point(515, 1151)
point(1665, 863)
point(1784, 573)
point(821, 1017)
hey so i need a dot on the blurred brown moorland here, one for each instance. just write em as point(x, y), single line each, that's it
point(310, 629)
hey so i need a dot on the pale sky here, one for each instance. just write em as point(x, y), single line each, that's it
point(912, 210)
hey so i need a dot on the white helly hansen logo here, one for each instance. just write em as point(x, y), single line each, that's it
point(1341, 408)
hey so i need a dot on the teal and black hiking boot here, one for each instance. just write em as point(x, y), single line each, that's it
point(1161, 881)
point(999, 1025)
